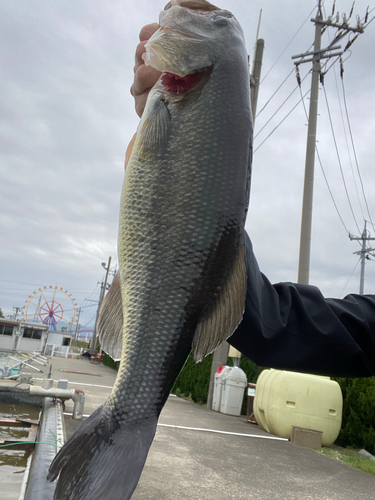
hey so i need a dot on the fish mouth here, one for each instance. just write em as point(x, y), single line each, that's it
point(179, 85)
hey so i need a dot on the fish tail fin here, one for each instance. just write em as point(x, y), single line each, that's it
point(104, 458)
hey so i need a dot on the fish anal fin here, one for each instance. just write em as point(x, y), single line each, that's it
point(110, 320)
point(225, 314)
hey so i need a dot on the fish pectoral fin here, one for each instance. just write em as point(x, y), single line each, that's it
point(225, 314)
point(155, 129)
point(110, 320)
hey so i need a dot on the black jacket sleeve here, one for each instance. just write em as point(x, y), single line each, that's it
point(293, 327)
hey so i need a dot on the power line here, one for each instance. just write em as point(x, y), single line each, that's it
point(277, 126)
point(299, 29)
point(354, 151)
point(338, 157)
point(324, 174)
point(275, 113)
point(279, 87)
point(350, 42)
point(20, 283)
point(340, 33)
point(315, 57)
point(287, 77)
point(281, 105)
point(344, 127)
point(89, 322)
point(346, 284)
point(90, 305)
point(273, 95)
point(330, 192)
point(93, 292)
point(348, 149)
point(75, 292)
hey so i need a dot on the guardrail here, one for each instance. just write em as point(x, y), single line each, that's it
point(76, 395)
point(62, 351)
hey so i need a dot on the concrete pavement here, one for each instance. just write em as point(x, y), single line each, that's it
point(188, 464)
point(199, 465)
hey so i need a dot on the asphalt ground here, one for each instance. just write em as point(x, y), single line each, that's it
point(191, 464)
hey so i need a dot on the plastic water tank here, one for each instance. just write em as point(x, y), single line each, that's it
point(220, 373)
point(284, 400)
point(234, 383)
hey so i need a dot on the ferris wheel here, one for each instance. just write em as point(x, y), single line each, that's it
point(52, 305)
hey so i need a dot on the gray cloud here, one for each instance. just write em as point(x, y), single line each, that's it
point(66, 117)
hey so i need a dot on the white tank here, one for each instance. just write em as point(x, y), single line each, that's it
point(286, 399)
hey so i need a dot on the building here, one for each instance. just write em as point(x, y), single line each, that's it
point(30, 336)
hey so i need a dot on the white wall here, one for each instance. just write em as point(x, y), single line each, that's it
point(30, 344)
point(57, 338)
point(6, 342)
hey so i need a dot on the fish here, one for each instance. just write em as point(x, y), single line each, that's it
point(181, 286)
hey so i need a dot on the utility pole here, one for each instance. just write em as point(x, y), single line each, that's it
point(256, 70)
point(363, 253)
point(77, 325)
point(315, 57)
point(16, 310)
point(101, 297)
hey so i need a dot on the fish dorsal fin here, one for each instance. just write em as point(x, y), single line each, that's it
point(155, 126)
point(225, 314)
point(110, 320)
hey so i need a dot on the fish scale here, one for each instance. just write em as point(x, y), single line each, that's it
point(182, 280)
point(169, 186)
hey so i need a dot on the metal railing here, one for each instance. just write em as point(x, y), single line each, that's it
point(10, 370)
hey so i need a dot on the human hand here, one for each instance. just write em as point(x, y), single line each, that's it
point(145, 77)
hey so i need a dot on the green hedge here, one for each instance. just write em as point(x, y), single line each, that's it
point(194, 379)
point(108, 361)
point(251, 369)
point(252, 373)
point(358, 418)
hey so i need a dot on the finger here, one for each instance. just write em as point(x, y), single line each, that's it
point(147, 31)
point(140, 103)
point(145, 77)
point(138, 54)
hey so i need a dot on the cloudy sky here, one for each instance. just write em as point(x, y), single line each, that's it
point(66, 116)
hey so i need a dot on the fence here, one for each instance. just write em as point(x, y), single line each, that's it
point(62, 351)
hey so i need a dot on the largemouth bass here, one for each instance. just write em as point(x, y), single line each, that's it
point(181, 244)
